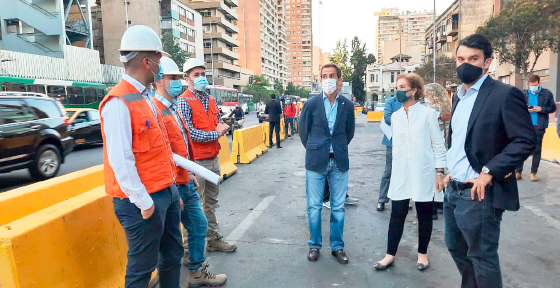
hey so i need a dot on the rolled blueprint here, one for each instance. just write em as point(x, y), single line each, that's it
point(196, 169)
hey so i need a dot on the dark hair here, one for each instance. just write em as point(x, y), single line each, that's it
point(477, 41)
point(331, 65)
point(273, 96)
point(535, 78)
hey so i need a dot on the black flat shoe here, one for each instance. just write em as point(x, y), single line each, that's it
point(422, 267)
point(380, 206)
point(340, 256)
point(378, 266)
point(313, 254)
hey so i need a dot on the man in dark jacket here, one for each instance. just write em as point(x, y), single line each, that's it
point(540, 103)
point(274, 111)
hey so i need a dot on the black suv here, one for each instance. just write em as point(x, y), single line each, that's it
point(33, 134)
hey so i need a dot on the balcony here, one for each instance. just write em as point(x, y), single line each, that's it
point(223, 51)
point(441, 38)
point(224, 66)
point(230, 27)
point(223, 36)
point(453, 29)
point(232, 3)
point(229, 12)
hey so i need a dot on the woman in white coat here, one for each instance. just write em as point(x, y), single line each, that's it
point(419, 159)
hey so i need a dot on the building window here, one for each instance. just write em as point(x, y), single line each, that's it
point(392, 77)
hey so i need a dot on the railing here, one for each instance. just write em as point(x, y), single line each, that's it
point(76, 24)
point(40, 9)
point(37, 44)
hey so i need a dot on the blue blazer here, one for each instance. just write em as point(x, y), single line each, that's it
point(391, 106)
point(316, 138)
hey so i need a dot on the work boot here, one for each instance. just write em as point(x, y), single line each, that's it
point(217, 243)
point(204, 278)
point(518, 176)
point(533, 177)
point(186, 257)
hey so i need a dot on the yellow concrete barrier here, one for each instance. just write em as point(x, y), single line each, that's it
point(355, 114)
point(359, 108)
point(227, 168)
point(247, 145)
point(551, 145)
point(282, 130)
point(20, 202)
point(374, 116)
point(75, 243)
point(265, 130)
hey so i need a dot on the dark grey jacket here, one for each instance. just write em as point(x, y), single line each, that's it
point(546, 102)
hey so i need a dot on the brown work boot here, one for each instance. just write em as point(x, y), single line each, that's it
point(217, 243)
point(533, 177)
point(186, 257)
point(518, 176)
point(204, 278)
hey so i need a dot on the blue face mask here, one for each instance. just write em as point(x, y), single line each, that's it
point(401, 96)
point(200, 83)
point(175, 88)
point(157, 76)
point(534, 89)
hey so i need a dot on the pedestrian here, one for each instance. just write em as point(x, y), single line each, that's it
point(540, 103)
point(327, 198)
point(391, 106)
point(274, 111)
point(418, 166)
point(436, 98)
point(237, 113)
point(139, 168)
point(192, 215)
point(490, 134)
point(200, 112)
point(290, 113)
point(326, 129)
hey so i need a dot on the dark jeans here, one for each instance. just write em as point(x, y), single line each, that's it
point(536, 153)
point(274, 126)
point(290, 123)
point(399, 210)
point(158, 237)
point(472, 233)
point(386, 178)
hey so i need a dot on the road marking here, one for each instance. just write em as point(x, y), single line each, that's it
point(548, 218)
point(238, 232)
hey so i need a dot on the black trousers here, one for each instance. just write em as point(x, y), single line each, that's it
point(536, 153)
point(399, 211)
point(274, 126)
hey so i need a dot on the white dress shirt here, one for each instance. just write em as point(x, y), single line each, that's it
point(118, 141)
point(418, 149)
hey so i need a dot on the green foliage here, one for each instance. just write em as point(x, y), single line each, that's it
point(524, 27)
point(296, 90)
point(175, 52)
point(340, 58)
point(446, 71)
point(260, 89)
point(278, 86)
point(359, 61)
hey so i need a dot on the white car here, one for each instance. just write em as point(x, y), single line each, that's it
point(379, 107)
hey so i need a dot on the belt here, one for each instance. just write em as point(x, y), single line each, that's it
point(331, 155)
point(459, 185)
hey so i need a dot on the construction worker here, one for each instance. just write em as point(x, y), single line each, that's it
point(139, 169)
point(201, 114)
point(192, 216)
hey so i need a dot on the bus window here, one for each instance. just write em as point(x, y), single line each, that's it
point(16, 87)
point(91, 97)
point(75, 96)
point(57, 92)
point(100, 95)
point(36, 89)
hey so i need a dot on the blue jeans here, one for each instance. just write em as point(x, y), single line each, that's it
point(154, 242)
point(289, 121)
point(195, 222)
point(472, 233)
point(386, 178)
point(315, 189)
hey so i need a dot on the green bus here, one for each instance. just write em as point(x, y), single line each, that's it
point(71, 94)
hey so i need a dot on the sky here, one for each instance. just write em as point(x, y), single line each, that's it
point(348, 18)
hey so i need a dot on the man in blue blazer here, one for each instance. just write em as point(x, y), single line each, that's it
point(326, 129)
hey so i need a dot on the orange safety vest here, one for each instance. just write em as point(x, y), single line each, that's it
point(205, 122)
point(150, 143)
point(176, 138)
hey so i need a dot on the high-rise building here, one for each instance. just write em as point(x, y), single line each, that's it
point(318, 62)
point(282, 43)
point(407, 27)
point(259, 38)
point(111, 18)
point(300, 43)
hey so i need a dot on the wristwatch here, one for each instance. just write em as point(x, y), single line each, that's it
point(440, 174)
point(485, 170)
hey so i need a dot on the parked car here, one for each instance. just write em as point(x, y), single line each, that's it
point(261, 116)
point(33, 134)
point(85, 126)
point(380, 106)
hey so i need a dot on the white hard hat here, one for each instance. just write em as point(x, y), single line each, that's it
point(140, 38)
point(192, 63)
point(169, 67)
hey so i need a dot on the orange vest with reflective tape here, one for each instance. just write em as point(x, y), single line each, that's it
point(150, 144)
point(176, 138)
point(205, 122)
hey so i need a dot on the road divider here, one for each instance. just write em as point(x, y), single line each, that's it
point(20, 202)
point(227, 167)
point(359, 108)
point(282, 130)
point(374, 116)
point(551, 145)
point(247, 144)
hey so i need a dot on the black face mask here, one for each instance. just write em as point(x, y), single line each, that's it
point(468, 73)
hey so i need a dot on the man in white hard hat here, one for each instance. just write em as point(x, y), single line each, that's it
point(200, 111)
point(139, 169)
point(192, 216)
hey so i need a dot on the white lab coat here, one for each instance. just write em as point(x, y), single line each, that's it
point(418, 149)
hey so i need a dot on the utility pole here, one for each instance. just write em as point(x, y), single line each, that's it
point(434, 44)
point(126, 12)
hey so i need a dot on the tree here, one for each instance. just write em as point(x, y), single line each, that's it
point(446, 71)
point(340, 58)
point(175, 52)
point(260, 89)
point(291, 89)
point(524, 28)
point(359, 61)
point(278, 86)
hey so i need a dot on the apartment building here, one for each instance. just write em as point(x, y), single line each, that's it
point(282, 29)
point(445, 32)
point(112, 17)
point(406, 27)
point(300, 43)
point(318, 62)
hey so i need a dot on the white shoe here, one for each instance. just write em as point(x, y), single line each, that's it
point(327, 204)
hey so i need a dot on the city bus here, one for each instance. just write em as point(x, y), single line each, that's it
point(223, 94)
point(71, 94)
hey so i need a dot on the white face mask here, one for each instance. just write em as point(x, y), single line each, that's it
point(329, 85)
